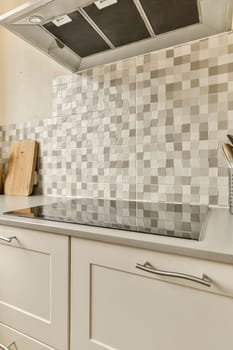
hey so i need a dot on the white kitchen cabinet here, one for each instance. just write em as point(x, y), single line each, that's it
point(34, 287)
point(115, 306)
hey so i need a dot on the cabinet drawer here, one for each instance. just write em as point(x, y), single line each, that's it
point(126, 259)
point(22, 342)
point(34, 270)
point(118, 306)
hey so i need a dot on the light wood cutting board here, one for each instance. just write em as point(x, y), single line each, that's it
point(21, 168)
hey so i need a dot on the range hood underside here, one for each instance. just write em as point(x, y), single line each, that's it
point(122, 30)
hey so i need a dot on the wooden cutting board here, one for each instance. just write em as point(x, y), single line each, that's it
point(21, 168)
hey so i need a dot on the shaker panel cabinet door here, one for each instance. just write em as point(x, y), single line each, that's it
point(34, 277)
point(116, 306)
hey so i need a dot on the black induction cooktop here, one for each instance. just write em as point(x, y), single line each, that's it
point(167, 219)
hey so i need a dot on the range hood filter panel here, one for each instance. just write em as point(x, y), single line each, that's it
point(121, 22)
point(78, 35)
point(168, 15)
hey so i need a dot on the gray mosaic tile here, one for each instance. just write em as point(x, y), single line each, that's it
point(183, 99)
point(100, 88)
point(88, 154)
point(149, 128)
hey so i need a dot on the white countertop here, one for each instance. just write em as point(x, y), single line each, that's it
point(216, 243)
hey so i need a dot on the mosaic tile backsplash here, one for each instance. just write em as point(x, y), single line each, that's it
point(148, 128)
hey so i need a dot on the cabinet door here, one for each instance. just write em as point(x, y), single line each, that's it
point(115, 306)
point(18, 340)
point(34, 277)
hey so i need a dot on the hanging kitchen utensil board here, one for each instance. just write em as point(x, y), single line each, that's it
point(21, 168)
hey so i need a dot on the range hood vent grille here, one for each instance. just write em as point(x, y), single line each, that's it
point(90, 30)
point(165, 16)
point(78, 35)
point(115, 24)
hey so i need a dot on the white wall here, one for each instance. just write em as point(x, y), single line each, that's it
point(6, 5)
point(26, 77)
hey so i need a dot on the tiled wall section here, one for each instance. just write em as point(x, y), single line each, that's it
point(147, 128)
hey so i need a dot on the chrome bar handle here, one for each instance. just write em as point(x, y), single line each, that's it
point(3, 347)
point(150, 268)
point(7, 239)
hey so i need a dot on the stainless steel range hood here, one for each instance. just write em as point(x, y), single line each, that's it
point(80, 34)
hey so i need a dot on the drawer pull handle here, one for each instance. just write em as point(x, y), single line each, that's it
point(8, 240)
point(149, 268)
point(4, 347)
